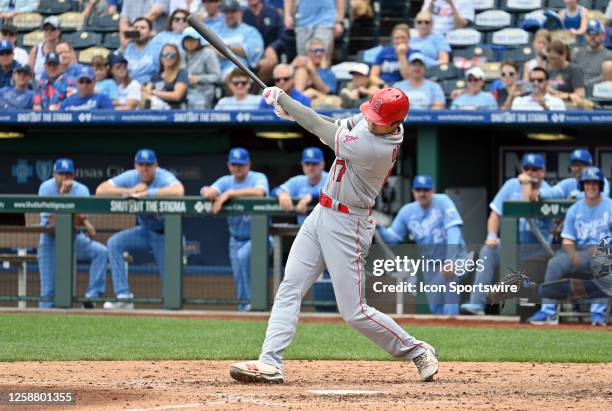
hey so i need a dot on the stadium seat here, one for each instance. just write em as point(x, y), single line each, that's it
point(54, 6)
point(492, 20)
point(517, 6)
point(392, 12)
point(33, 38)
point(510, 37)
point(104, 23)
point(559, 4)
point(481, 5)
point(27, 21)
point(492, 70)
point(472, 56)
point(86, 55)
point(111, 41)
point(564, 36)
point(448, 86)
point(443, 72)
point(519, 54)
point(71, 20)
point(463, 37)
point(83, 39)
point(600, 5)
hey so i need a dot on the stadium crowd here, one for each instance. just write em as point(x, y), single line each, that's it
point(156, 61)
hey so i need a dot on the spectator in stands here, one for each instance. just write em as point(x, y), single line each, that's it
point(313, 78)
point(360, 88)
point(63, 184)
point(52, 34)
point(10, 8)
point(96, 8)
point(514, 189)
point(434, 46)
point(7, 63)
point(283, 76)
point(539, 45)
point(51, 91)
point(87, 99)
point(128, 90)
point(146, 180)
point(168, 88)
point(203, 68)
point(152, 10)
point(270, 24)
point(323, 19)
point(69, 64)
point(9, 32)
point(508, 87)
point(391, 63)
point(306, 186)
point(474, 98)
point(566, 80)
point(423, 94)
point(104, 83)
point(449, 14)
point(574, 17)
point(241, 38)
point(142, 54)
point(173, 34)
point(19, 96)
point(190, 5)
point(241, 182)
point(211, 14)
point(590, 57)
point(239, 85)
point(603, 88)
point(539, 99)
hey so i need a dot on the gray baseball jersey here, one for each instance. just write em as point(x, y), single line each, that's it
point(363, 162)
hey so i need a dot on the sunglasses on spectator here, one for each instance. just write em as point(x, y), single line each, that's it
point(179, 19)
point(281, 79)
point(538, 80)
point(85, 81)
point(317, 50)
point(425, 22)
point(508, 74)
point(240, 83)
point(168, 55)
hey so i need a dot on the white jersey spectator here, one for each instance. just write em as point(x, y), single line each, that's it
point(449, 14)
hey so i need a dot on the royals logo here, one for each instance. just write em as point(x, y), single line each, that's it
point(376, 105)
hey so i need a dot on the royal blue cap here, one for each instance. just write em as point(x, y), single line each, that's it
point(582, 156)
point(52, 58)
point(238, 155)
point(145, 156)
point(6, 45)
point(312, 155)
point(533, 160)
point(86, 72)
point(63, 165)
point(594, 27)
point(422, 182)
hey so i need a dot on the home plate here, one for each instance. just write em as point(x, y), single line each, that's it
point(344, 392)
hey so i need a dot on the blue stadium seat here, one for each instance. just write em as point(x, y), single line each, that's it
point(443, 72)
point(104, 23)
point(600, 5)
point(492, 20)
point(464, 37)
point(83, 39)
point(519, 54)
point(448, 86)
point(482, 5)
point(510, 37)
point(111, 41)
point(475, 51)
point(54, 6)
point(518, 6)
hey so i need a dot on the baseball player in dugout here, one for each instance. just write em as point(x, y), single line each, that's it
point(306, 186)
point(146, 180)
point(241, 182)
point(529, 181)
point(338, 233)
point(434, 223)
point(63, 184)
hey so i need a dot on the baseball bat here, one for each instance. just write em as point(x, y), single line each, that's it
point(220, 45)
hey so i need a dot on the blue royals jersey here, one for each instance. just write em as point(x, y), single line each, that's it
point(426, 226)
point(163, 178)
point(93, 102)
point(569, 188)
point(512, 191)
point(588, 225)
point(50, 189)
point(298, 187)
point(240, 226)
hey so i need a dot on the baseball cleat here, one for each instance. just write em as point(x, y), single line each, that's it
point(473, 309)
point(598, 319)
point(542, 318)
point(427, 363)
point(256, 371)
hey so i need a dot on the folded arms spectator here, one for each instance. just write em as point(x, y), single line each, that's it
point(239, 85)
point(19, 96)
point(52, 34)
point(539, 99)
point(52, 90)
point(168, 88)
point(391, 63)
point(128, 90)
point(203, 68)
point(474, 98)
point(87, 99)
point(423, 94)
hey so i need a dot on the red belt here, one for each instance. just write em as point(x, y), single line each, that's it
point(327, 201)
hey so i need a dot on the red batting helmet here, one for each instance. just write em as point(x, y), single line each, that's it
point(386, 106)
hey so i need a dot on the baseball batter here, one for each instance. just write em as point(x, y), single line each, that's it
point(338, 233)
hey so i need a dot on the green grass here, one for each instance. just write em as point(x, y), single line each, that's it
point(26, 337)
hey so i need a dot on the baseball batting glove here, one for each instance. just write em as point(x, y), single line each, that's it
point(271, 94)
